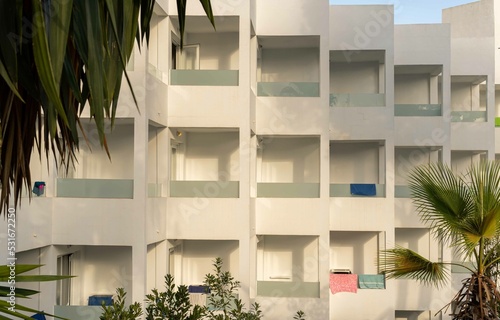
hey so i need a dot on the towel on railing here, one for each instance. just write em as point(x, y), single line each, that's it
point(38, 188)
point(98, 300)
point(38, 316)
point(371, 281)
point(198, 289)
point(363, 189)
point(343, 283)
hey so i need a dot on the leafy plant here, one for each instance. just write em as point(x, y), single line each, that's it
point(172, 304)
point(300, 315)
point(11, 275)
point(222, 299)
point(118, 311)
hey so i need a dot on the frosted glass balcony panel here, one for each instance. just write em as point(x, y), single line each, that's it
point(287, 190)
point(417, 110)
point(402, 192)
point(357, 100)
point(95, 188)
point(344, 190)
point(205, 189)
point(288, 89)
point(204, 77)
point(288, 289)
point(468, 116)
point(78, 312)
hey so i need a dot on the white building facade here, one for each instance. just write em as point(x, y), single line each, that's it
point(281, 143)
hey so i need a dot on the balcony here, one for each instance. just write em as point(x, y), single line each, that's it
point(288, 66)
point(417, 91)
point(468, 98)
point(417, 110)
point(357, 80)
point(357, 168)
point(204, 163)
point(357, 100)
point(287, 266)
point(288, 167)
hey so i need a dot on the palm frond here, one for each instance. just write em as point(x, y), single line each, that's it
point(404, 263)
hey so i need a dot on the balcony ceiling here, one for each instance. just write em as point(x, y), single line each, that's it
point(202, 25)
point(357, 56)
point(472, 79)
point(280, 42)
point(433, 70)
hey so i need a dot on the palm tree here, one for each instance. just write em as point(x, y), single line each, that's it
point(462, 212)
point(56, 58)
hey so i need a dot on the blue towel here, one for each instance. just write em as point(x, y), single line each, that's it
point(39, 316)
point(199, 289)
point(107, 300)
point(363, 189)
point(371, 281)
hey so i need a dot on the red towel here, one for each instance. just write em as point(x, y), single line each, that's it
point(343, 283)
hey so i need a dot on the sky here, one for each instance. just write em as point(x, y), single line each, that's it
point(412, 11)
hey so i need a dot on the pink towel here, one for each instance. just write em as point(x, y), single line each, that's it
point(343, 283)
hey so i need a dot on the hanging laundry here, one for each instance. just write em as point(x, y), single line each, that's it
point(343, 283)
point(39, 188)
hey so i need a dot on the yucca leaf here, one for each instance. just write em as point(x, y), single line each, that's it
point(9, 43)
point(19, 292)
point(19, 269)
point(58, 26)
point(44, 65)
point(5, 75)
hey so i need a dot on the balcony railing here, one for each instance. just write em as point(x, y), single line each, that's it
point(287, 190)
point(288, 89)
point(78, 312)
point(345, 190)
point(95, 188)
point(204, 77)
point(401, 191)
point(468, 116)
point(417, 110)
point(288, 289)
point(357, 99)
point(205, 189)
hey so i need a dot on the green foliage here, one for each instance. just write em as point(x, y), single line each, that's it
point(172, 304)
point(118, 311)
point(11, 290)
point(462, 212)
